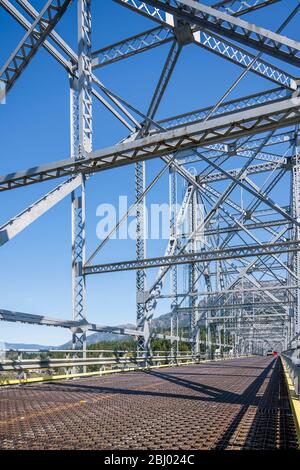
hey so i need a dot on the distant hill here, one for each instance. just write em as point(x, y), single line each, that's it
point(164, 321)
point(103, 336)
point(25, 346)
point(158, 324)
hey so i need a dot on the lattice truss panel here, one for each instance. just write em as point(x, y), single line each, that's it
point(231, 266)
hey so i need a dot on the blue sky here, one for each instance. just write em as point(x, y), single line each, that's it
point(35, 275)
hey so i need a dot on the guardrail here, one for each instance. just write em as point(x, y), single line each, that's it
point(292, 362)
point(47, 362)
point(53, 363)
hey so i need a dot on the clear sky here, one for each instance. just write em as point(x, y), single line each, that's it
point(35, 275)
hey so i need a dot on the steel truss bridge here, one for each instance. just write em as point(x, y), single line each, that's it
point(239, 281)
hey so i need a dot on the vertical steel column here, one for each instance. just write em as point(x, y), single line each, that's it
point(296, 234)
point(209, 352)
point(143, 341)
point(291, 262)
point(143, 318)
point(218, 284)
point(206, 335)
point(84, 77)
point(193, 276)
point(173, 270)
point(219, 327)
point(238, 336)
point(78, 254)
point(81, 142)
point(78, 227)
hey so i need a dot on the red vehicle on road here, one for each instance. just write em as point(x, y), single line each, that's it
point(270, 352)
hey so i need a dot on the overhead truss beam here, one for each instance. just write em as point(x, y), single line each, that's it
point(199, 257)
point(251, 35)
point(215, 44)
point(241, 7)
point(76, 326)
point(32, 41)
point(261, 119)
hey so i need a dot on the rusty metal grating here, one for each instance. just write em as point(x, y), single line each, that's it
point(236, 404)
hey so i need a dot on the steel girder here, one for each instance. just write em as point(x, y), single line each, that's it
point(253, 169)
point(208, 41)
point(272, 158)
point(238, 290)
point(295, 234)
point(212, 42)
point(142, 321)
point(81, 145)
point(241, 7)
point(249, 318)
point(199, 257)
point(131, 46)
point(171, 249)
point(78, 327)
point(233, 121)
point(228, 107)
point(22, 220)
point(268, 117)
point(143, 317)
point(70, 63)
point(174, 271)
point(244, 147)
point(192, 273)
point(195, 13)
point(32, 41)
point(254, 306)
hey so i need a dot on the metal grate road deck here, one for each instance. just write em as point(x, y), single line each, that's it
point(234, 404)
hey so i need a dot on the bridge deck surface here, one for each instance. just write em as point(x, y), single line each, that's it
point(234, 404)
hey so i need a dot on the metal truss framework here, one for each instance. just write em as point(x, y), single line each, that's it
point(231, 269)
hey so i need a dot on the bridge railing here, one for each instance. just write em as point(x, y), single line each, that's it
point(52, 361)
point(292, 362)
